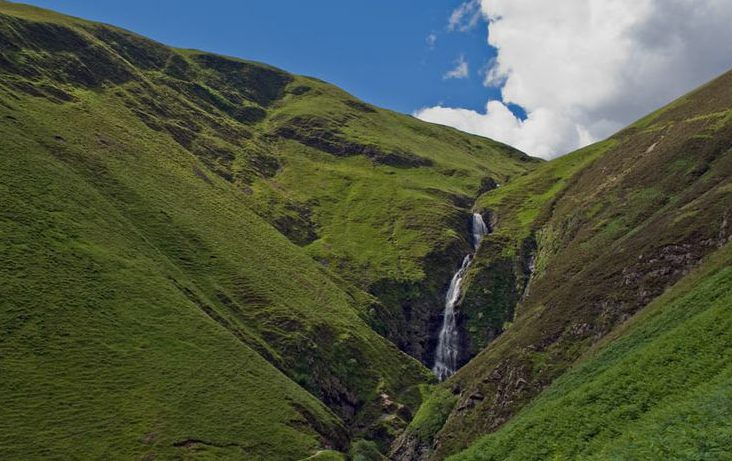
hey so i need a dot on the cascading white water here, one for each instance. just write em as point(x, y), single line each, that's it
point(447, 342)
point(479, 229)
point(446, 354)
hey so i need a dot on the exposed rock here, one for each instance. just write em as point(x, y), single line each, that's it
point(413, 316)
point(325, 135)
point(487, 184)
point(408, 447)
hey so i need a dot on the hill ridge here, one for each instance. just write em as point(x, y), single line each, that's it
point(165, 255)
point(208, 257)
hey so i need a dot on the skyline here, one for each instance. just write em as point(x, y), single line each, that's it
point(386, 53)
point(545, 78)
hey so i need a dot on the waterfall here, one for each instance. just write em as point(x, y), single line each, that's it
point(479, 229)
point(447, 343)
point(446, 354)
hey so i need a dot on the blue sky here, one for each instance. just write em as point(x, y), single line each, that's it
point(375, 49)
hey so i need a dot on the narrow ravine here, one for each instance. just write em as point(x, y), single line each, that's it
point(446, 354)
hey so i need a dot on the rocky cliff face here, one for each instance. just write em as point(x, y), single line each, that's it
point(415, 308)
point(496, 283)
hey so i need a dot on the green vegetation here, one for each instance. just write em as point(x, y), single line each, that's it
point(150, 305)
point(114, 342)
point(377, 218)
point(437, 403)
point(363, 450)
point(580, 245)
point(517, 205)
point(662, 390)
point(210, 258)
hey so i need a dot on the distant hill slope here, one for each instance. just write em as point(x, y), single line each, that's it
point(151, 305)
point(579, 246)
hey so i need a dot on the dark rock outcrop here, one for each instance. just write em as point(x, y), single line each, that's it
point(326, 135)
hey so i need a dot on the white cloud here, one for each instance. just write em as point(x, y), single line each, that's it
point(532, 135)
point(464, 17)
point(584, 68)
point(431, 40)
point(461, 69)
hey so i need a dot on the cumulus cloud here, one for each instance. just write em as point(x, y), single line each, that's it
point(582, 69)
point(461, 69)
point(464, 17)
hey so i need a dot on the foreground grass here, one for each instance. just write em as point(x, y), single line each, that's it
point(660, 391)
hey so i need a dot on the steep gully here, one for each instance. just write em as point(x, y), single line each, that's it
point(446, 353)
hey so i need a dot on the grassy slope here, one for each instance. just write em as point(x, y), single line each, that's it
point(629, 222)
point(122, 157)
point(517, 205)
point(162, 288)
point(103, 352)
point(662, 390)
point(378, 197)
point(380, 220)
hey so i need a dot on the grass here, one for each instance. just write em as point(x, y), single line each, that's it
point(661, 390)
point(104, 354)
point(517, 205)
point(436, 405)
point(605, 231)
point(379, 220)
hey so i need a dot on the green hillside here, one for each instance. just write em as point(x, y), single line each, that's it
point(211, 258)
point(149, 306)
point(661, 390)
point(580, 245)
point(115, 340)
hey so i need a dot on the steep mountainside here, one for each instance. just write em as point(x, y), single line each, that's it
point(188, 246)
point(210, 258)
point(660, 387)
point(380, 198)
point(580, 245)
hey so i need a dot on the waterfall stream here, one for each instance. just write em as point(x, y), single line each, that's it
point(446, 354)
